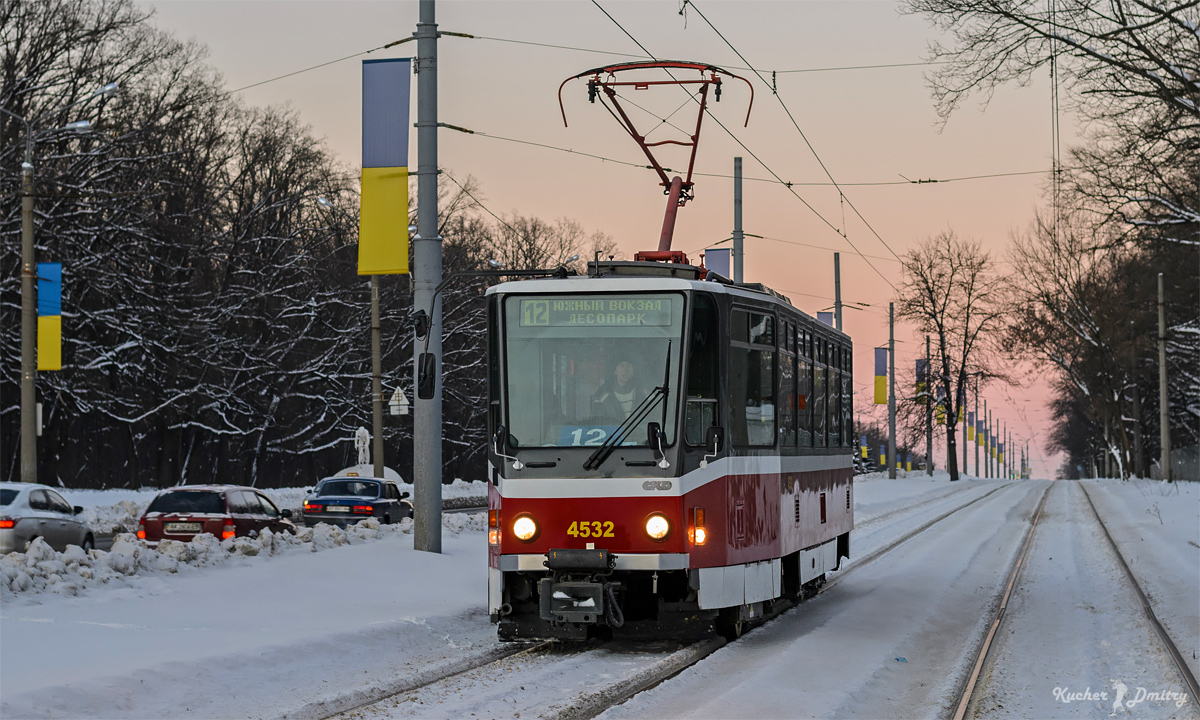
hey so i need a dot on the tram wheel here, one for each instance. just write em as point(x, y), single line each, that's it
point(730, 624)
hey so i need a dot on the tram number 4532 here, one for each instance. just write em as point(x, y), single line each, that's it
point(594, 528)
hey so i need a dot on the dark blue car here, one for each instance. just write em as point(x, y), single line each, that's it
point(344, 501)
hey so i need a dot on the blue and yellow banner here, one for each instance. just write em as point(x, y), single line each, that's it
point(383, 212)
point(970, 426)
point(940, 410)
point(49, 306)
point(881, 379)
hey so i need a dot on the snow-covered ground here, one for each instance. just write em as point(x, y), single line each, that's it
point(1074, 623)
point(266, 635)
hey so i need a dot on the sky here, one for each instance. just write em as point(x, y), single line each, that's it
point(872, 128)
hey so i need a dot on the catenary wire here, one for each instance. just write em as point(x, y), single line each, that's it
point(755, 156)
point(794, 124)
point(314, 67)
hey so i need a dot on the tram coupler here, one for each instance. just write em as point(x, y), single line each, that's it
point(578, 590)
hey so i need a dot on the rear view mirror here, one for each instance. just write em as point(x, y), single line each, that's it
point(78, 509)
point(715, 440)
point(499, 439)
point(403, 495)
point(285, 513)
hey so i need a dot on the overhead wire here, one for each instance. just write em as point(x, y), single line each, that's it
point(755, 155)
point(321, 65)
point(796, 125)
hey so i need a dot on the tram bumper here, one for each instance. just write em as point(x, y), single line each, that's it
point(578, 591)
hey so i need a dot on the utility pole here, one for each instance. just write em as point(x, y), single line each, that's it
point(1138, 451)
point(737, 220)
point(978, 419)
point(376, 382)
point(427, 274)
point(837, 291)
point(963, 412)
point(928, 413)
point(891, 390)
point(1164, 415)
point(29, 323)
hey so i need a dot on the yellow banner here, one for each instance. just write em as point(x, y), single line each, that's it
point(49, 342)
point(881, 390)
point(383, 221)
point(940, 413)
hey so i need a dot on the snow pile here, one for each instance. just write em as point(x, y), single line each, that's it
point(41, 569)
point(119, 518)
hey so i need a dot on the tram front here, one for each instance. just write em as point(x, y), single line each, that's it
point(587, 530)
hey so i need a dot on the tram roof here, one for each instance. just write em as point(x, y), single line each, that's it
point(643, 283)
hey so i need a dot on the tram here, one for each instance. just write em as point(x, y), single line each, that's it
point(670, 452)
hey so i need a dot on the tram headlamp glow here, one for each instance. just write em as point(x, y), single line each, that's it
point(525, 528)
point(657, 527)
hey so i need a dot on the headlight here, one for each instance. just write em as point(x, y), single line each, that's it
point(657, 527)
point(525, 528)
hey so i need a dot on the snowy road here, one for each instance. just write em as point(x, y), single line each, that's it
point(890, 640)
point(306, 634)
point(1074, 623)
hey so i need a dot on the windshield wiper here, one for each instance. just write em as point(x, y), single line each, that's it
point(658, 394)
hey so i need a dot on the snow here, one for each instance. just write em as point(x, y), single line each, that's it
point(250, 637)
point(302, 626)
point(1074, 625)
point(1157, 527)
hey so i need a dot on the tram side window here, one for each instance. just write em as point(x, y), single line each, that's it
point(751, 379)
point(847, 397)
point(703, 370)
point(835, 397)
point(787, 386)
point(819, 391)
point(804, 389)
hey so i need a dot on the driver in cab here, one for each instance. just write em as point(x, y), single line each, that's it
point(619, 395)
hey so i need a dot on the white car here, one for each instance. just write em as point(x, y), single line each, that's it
point(31, 511)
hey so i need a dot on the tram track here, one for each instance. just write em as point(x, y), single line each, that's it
point(1185, 672)
point(593, 701)
point(984, 659)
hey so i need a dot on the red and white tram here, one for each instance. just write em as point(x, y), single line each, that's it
point(670, 452)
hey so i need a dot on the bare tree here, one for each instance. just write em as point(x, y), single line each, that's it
point(1129, 67)
point(951, 291)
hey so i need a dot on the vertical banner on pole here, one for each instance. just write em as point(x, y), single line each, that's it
point(962, 404)
point(970, 426)
point(922, 381)
point(383, 213)
point(881, 371)
point(979, 432)
point(940, 409)
point(49, 322)
point(883, 456)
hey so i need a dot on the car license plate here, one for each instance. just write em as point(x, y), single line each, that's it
point(337, 508)
point(182, 527)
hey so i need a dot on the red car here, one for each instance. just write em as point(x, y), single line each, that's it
point(224, 511)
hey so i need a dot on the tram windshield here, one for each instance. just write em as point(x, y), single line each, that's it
point(579, 365)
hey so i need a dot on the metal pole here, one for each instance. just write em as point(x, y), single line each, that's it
point(28, 324)
point(1164, 415)
point(376, 381)
point(963, 407)
point(987, 425)
point(978, 417)
point(837, 291)
point(737, 220)
point(427, 273)
point(928, 412)
point(891, 458)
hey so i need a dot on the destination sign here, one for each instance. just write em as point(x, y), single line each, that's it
point(596, 312)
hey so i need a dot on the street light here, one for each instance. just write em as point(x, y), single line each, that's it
point(29, 279)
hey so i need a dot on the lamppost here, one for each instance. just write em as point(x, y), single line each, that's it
point(29, 279)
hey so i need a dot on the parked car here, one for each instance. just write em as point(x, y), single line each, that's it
point(346, 500)
point(225, 511)
point(29, 511)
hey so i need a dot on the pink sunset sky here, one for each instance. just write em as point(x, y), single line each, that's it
point(869, 126)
